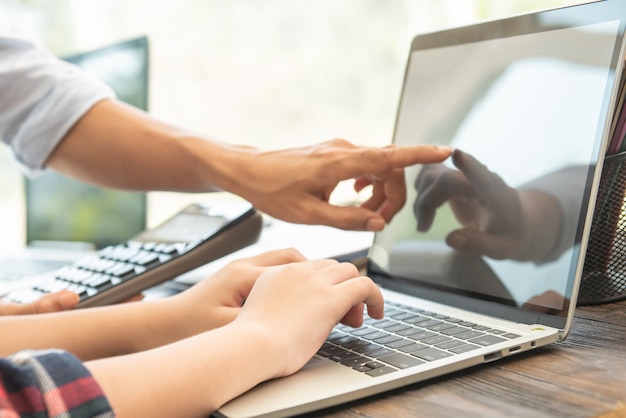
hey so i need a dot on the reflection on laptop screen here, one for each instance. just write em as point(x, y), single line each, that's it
point(528, 114)
point(60, 209)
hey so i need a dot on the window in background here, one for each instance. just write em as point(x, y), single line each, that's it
point(64, 211)
point(271, 73)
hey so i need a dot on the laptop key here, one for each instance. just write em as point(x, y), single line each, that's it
point(454, 330)
point(396, 328)
point(387, 339)
point(344, 340)
point(421, 335)
point(413, 347)
point(400, 343)
point(331, 350)
point(463, 348)
point(366, 349)
point(401, 361)
point(376, 335)
point(417, 319)
point(469, 334)
point(364, 331)
point(355, 361)
point(357, 343)
point(429, 323)
point(381, 371)
point(383, 324)
point(341, 357)
point(380, 352)
point(374, 364)
point(449, 344)
point(441, 327)
point(435, 339)
point(409, 331)
point(362, 368)
point(431, 354)
point(486, 340)
point(334, 335)
point(402, 316)
point(325, 350)
point(481, 328)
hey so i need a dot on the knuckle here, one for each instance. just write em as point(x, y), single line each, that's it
point(293, 253)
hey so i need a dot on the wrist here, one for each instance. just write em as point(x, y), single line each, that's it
point(222, 166)
point(239, 356)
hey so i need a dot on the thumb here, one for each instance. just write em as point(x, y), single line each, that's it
point(474, 242)
point(54, 302)
point(352, 218)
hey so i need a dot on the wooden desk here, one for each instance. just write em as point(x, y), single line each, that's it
point(583, 376)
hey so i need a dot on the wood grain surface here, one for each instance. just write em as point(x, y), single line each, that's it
point(582, 376)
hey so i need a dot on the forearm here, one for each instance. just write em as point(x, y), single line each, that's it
point(543, 222)
point(96, 332)
point(115, 145)
point(189, 378)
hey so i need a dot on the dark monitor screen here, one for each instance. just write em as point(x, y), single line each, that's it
point(61, 209)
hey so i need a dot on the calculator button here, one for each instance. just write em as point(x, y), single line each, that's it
point(74, 275)
point(170, 249)
point(164, 258)
point(144, 258)
point(121, 270)
point(98, 281)
point(26, 295)
point(159, 247)
point(53, 285)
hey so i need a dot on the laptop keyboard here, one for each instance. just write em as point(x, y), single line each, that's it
point(406, 337)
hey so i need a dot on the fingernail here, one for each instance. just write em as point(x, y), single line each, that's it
point(457, 240)
point(68, 299)
point(375, 225)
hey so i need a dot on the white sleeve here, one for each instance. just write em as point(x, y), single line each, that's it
point(41, 98)
point(567, 186)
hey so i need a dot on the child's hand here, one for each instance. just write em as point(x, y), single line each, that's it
point(296, 306)
point(217, 300)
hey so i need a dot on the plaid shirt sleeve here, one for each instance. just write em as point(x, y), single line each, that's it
point(51, 383)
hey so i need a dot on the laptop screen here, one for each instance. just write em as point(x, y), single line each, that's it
point(526, 105)
point(61, 209)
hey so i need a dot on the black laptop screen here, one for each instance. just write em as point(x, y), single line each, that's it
point(526, 103)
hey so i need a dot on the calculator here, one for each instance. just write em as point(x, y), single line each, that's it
point(198, 234)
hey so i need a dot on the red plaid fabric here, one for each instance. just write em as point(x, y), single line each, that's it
point(51, 383)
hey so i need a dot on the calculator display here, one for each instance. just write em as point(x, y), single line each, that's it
point(184, 227)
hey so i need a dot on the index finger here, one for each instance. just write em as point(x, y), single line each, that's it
point(393, 156)
point(362, 289)
point(486, 183)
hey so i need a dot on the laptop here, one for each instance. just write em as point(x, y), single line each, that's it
point(528, 102)
point(65, 218)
